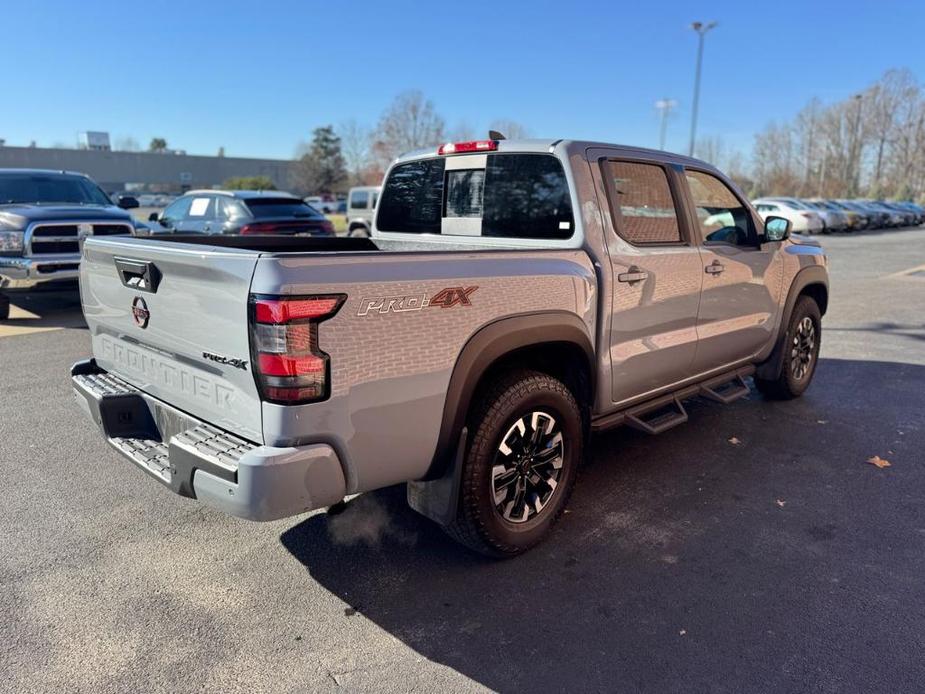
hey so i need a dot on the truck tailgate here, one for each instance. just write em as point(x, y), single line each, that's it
point(172, 320)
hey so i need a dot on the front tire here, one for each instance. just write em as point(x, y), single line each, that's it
point(801, 353)
point(521, 465)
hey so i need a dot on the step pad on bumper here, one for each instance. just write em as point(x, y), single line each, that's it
point(151, 455)
point(214, 445)
point(105, 384)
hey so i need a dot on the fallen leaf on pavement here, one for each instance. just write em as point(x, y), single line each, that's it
point(879, 462)
point(682, 632)
point(781, 503)
point(734, 441)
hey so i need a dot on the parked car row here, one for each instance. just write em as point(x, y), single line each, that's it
point(812, 216)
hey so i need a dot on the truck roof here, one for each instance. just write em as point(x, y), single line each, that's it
point(244, 194)
point(43, 171)
point(570, 146)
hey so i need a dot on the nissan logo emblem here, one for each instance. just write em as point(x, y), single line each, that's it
point(140, 313)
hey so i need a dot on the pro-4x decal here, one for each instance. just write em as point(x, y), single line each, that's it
point(445, 298)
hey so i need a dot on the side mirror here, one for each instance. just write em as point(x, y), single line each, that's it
point(776, 229)
point(152, 217)
point(127, 202)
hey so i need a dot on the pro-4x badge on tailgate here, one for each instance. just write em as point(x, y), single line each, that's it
point(445, 298)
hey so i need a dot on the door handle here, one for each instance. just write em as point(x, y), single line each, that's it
point(633, 274)
point(714, 268)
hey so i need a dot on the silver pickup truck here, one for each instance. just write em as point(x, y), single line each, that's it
point(515, 297)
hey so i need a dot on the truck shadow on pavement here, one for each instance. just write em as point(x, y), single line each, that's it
point(751, 549)
point(43, 310)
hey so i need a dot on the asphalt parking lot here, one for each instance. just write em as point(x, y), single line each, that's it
point(752, 549)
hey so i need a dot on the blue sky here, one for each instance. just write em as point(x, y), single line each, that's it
point(256, 77)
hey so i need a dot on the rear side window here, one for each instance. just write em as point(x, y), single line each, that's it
point(502, 195)
point(264, 208)
point(643, 207)
point(412, 199)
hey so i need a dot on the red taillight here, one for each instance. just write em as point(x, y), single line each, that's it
point(289, 365)
point(285, 310)
point(258, 228)
point(473, 146)
point(321, 228)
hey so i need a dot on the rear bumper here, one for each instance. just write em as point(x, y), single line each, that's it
point(197, 460)
point(25, 273)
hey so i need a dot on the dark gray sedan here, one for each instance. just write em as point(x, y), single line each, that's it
point(241, 212)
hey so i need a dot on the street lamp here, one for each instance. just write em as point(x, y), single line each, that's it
point(701, 30)
point(855, 181)
point(664, 107)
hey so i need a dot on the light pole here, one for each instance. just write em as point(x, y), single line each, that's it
point(855, 181)
point(701, 30)
point(664, 107)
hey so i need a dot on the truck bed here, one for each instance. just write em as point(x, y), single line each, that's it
point(391, 351)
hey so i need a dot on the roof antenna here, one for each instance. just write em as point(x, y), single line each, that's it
point(495, 135)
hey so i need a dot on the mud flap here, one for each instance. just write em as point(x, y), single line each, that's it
point(439, 499)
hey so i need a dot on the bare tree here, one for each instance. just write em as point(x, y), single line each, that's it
point(356, 147)
point(408, 123)
point(461, 132)
point(871, 143)
point(712, 150)
point(511, 129)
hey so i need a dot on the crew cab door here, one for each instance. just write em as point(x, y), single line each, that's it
point(741, 276)
point(657, 274)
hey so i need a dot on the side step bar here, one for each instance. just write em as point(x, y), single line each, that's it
point(667, 411)
point(727, 390)
point(667, 417)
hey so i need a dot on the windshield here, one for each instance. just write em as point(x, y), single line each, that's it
point(50, 188)
point(264, 208)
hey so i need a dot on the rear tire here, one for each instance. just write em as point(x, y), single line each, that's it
point(521, 464)
point(801, 353)
point(4, 307)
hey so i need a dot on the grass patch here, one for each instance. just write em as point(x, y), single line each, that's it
point(339, 221)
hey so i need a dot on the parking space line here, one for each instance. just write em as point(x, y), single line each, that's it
point(917, 273)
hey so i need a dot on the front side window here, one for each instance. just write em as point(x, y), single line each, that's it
point(176, 211)
point(723, 217)
point(643, 208)
point(522, 196)
point(359, 199)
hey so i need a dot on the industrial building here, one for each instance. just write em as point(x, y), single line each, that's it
point(163, 172)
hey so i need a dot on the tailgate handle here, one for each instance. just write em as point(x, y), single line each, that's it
point(140, 275)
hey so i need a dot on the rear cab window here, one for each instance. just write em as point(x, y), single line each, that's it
point(265, 208)
point(502, 195)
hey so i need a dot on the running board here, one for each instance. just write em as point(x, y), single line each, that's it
point(668, 415)
point(726, 390)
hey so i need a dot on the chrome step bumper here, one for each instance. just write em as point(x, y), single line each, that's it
point(200, 461)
